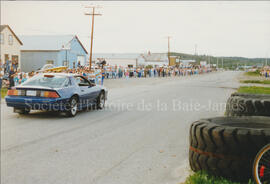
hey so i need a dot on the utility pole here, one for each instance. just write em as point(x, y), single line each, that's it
point(222, 63)
point(195, 49)
point(169, 48)
point(93, 14)
point(217, 62)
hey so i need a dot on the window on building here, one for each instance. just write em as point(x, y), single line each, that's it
point(49, 62)
point(2, 38)
point(10, 39)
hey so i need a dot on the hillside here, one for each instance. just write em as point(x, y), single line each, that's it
point(228, 62)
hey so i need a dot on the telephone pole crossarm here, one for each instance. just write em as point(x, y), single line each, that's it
point(92, 14)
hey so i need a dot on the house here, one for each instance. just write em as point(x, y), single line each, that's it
point(59, 50)
point(10, 46)
point(133, 59)
point(187, 62)
point(119, 59)
point(153, 59)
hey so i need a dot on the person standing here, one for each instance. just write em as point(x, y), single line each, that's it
point(1, 64)
point(11, 77)
point(126, 73)
point(7, 66)
point(14, 65)
point(92, 77)
point(24, 78)
point(102, 76)
point(16, 79)
point(1, 77)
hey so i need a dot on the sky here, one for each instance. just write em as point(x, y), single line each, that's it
point(217, 28)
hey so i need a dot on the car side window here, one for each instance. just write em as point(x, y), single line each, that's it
point(77, 80)
point(80, 81)
point(67, 82)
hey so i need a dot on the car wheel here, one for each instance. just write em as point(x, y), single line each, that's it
point(101, 100)
point(73, 107)
point(22, 111)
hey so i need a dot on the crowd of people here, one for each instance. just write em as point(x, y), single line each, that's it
point(113, 72)
point(266, 72)
point(12, 76)
point(140, 72)
point(9, 73)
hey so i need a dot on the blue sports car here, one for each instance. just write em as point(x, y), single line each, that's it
point(56, 92)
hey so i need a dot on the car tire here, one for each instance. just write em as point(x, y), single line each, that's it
point(72, 107)
point(22, 111)
point(240, 104)
point(101, 100)
point(227, 146)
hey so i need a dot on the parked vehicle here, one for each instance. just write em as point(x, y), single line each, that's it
point(261, 169)
point(51, 68)
point(56, 92)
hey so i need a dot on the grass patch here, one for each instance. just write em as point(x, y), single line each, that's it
point(3, 92)
point(256, 81)
point(204, 178)
point(255, 73)
point(254, 90)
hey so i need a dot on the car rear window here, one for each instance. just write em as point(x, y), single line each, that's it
point(52, 81)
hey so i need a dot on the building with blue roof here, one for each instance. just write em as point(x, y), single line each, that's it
point(59, 50)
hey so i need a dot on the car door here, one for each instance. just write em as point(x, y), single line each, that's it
point(89, 91)
point(83, 89)
point(94, 91)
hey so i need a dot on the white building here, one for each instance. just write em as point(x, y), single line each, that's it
point(10, 45)
point(133, 59)
point(124, 59)
point(154, 59)
point(187, 63)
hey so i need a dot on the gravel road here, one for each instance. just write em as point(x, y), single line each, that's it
point(140, 138)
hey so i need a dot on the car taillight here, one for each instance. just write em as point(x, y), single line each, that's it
point(12, 92)
point(15, 92)
point(49, 94)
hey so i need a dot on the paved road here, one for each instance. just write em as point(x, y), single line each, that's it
point(141, 136)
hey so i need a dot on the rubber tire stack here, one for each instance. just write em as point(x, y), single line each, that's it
point(248, 105)
point(227, 146)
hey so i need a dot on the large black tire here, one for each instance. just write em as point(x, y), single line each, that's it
point(227, 146)
point(101, 100)
point(240, 104)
